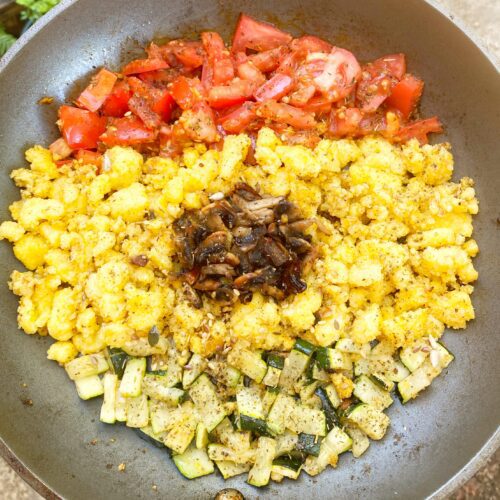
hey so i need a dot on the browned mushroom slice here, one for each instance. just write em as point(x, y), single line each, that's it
point(225, 295)
point(232, 259)
point(270, 202)
point(273, 291)
point(208, 285)
point(217, 270)
point(192, 296)
point(300, 226)
point(288, 209)
point(247, 237)
point(191, 276)
point(213, 248)
point(246, 192)
point(291, 282)
point(275, 250)
point(299, 245)
point(267, 274)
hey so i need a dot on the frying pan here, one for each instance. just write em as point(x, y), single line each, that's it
point(436, 442)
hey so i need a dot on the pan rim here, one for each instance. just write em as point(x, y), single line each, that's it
point(453, 483)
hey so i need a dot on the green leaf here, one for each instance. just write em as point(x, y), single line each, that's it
point(6, 40)
point(35, 9)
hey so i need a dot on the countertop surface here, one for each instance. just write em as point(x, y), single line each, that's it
point(482, 18)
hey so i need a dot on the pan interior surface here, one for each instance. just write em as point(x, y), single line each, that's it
point(60, 439)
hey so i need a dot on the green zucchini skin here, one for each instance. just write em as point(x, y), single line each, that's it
point(309, 444)
point(275, 360)
point(256, 425)
point(304, 346)
point(149, 438)
point(332, 418)
point(292, 461)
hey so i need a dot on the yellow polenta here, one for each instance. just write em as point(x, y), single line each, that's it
point(393, 235)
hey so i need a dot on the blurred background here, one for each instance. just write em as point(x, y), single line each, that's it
point(482, 20)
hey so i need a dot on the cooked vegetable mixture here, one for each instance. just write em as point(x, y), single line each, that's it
point(251, 306)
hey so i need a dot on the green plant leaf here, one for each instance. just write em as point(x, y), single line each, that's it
point(6, 40)
point(35, 9)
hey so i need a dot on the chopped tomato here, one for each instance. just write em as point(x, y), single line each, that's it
point(318, 105)
point(284, 113)
point(345, 122)
point(255, 35)
point(339, 76)
point(162, 77)
point(101, 86)
point(186, 91)
point(307, 138)
point(60, 149)
point(378, 79)
point(163, 104)
point(80, 128)
point(189, 53)
point(116, 104)
point(127, 131)
point(89, 157)
point(405, 95)
point(143, 66)
point(248, 71)
point(141, 108)
point(223, 96)
point(275, 88)
point(302, 95)
point(309, 43)
point(199, 123)
point(268, 60)
point(419, 130)
point(236, 121)
point(218, 58)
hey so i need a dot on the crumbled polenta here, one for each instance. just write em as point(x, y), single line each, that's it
point(392, 234)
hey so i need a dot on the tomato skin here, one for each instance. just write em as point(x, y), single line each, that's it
point(127, 131)
point(141, 108)
point(275, 88)
point(143, 66)
point(284, 113)
point(268, 60)
point(116, 105)
point(95, 94)
point(236, 121)
point(255, 35)
point(186, 92)
point(309, 43)
point(419, 130)
point(405, 95)
point(223, 96)
point(80, 128)
point(199, 124)
point(164, 106)
point(345, 122)
point(89, 157)
point(248, 71)
point(221, 66)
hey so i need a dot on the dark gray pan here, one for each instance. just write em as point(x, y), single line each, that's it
point(436, 442)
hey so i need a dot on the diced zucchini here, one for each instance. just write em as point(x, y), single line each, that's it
point(280, 411)
point(164, 418)
point(307, 420)
point(328, 406)
point(360, 441)
point(131, 384)
point(398, 373)
point(193, 370)
point(338, 441)
point(275, 360)
point(89, 387)
point(366, 390)
point(320, 374)
point(110, 384)
point(218, 452)
point(333, 359)
point(193, 463)
point(286, 443)
point(268, 400)
point(349, 346)
point(412, 356)
point(207, 402)
point(148, 435)
point(120, 406)
point(261, 471)
point(295, 364)
point(85, 366)
point(118, 359)
point(249, 403)
point(248, 362)
point(288, 465)
point(371, 421)
point(362, 367)
point(230, 469)
point(155, 387)
point(137, 411)
point(227, 435)
point(382, 381)
point(333, 396)
point(422, 377)
point(201, 436)
point(272, 376)
point(179, 437)
point(309, 444)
